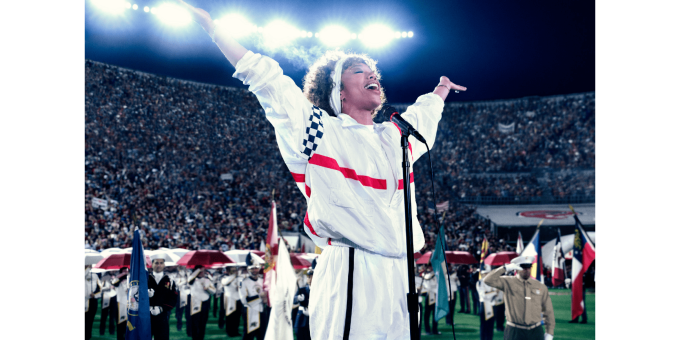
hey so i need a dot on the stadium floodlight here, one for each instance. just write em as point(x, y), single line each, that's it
point(310, 34)
point(334, 35)
point(404, 34)
point(146, 9)
point(353, 36)
point(397, 35)
point(279, 33)
point(171, 14)
point(376, 35)
point(236, 25)
point(128, 5)
point(135, 7)
point(113, 7)
point(410, 34)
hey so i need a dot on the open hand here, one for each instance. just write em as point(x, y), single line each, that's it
point(443, 80)
point(198, 15)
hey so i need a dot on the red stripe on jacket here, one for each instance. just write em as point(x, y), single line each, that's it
point(331, 163)
point(401, 182)
point(299, 178)
point(309, 225)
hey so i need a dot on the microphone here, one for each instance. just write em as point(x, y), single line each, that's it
point(393, 115)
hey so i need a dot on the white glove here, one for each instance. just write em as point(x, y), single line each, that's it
point(156, 310)
point(304, 311)
point(151, 291)
point(547, 336)
point(301, 297)
point(512, 266)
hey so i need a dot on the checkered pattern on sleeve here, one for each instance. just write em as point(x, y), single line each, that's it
point(314, 133)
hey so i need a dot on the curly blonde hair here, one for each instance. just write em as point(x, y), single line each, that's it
point(318, 83)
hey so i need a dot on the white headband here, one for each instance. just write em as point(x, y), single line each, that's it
point(336, 104)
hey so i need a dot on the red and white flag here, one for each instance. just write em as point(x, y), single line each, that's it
point(558, 266)
point(520, 244)
point(584, 254)
point(271, 253)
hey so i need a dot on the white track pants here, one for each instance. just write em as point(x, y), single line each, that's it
point(378, 305)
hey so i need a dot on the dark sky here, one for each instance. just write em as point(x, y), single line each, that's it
point(498, 49)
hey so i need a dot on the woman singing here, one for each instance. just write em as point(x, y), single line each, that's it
point(349, 170)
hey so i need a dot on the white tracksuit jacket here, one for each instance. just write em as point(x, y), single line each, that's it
point(351, 176)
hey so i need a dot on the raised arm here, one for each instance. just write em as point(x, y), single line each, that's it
point(229, 47)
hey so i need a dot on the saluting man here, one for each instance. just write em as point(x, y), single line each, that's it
point(525, 300)
point(93, 291)
point(252, 296)
point(162, 298)
point(201, 289)
point(232, 302)
point(122, 286)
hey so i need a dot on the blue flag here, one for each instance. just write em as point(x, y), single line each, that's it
point(139, 316)
point(438, 261)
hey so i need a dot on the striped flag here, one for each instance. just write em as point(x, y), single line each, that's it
point(443, 206)
point(534, 249)
point(430, 207)
point(558, 266)
point(584, 254)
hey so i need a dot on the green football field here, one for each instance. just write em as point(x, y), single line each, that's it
point(467, 325)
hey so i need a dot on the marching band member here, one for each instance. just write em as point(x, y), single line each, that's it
point(430, 285)
point(301, 325)
point(487, 295)
point(122, 285)
point(252, 297)
point(109, 305)
point(93, 291)
point(201, 289)
point(162, 298)
point(232, 302)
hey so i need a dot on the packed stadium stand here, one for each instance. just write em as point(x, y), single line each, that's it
point(195, 165)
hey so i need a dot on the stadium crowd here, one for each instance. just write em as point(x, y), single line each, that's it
point(196, 165)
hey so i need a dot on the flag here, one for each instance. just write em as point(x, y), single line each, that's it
point(520, 243)
point(443, 206)
point(584, 254)
point(271, 252)
point(534, 249)
point(139, 317)
point(558, 266)
point(283, 291)
point(438, 261)
point(430, 207)
point(485, 250)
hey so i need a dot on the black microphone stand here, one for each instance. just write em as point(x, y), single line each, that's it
point(411, 296)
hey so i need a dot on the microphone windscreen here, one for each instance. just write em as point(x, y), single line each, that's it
point(386, 112)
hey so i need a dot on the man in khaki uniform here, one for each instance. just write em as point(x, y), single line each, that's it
point(525, 300)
